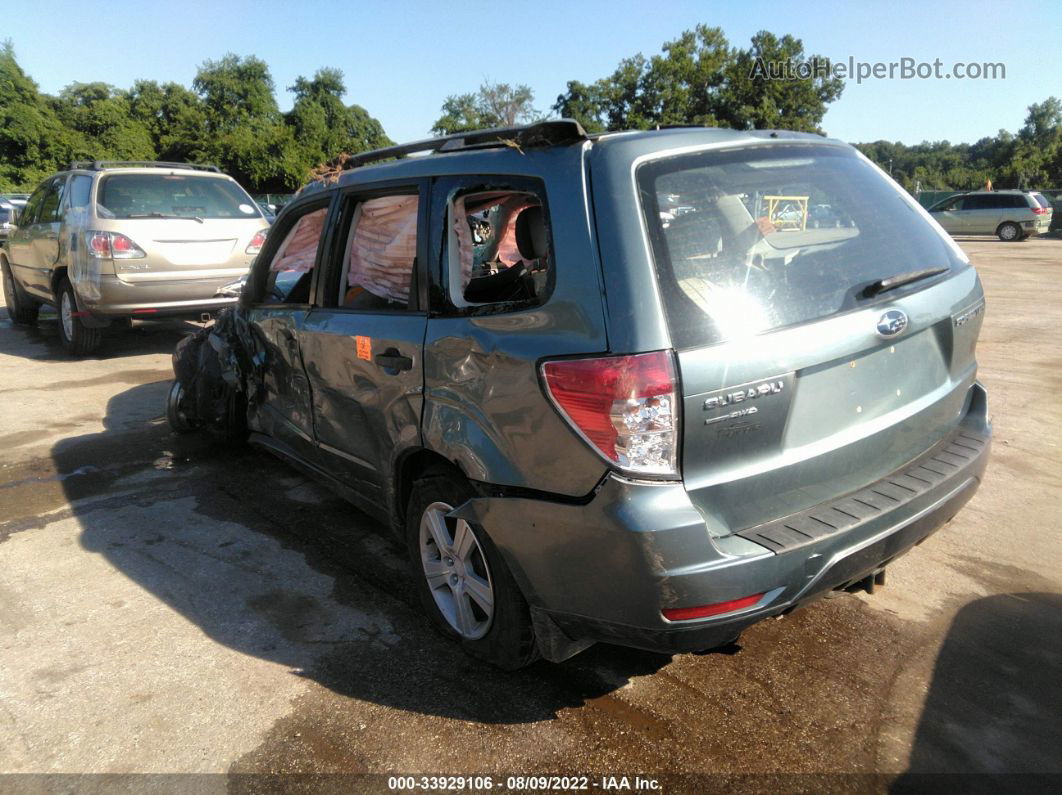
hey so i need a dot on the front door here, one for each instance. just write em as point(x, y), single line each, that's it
point(950, 216)
point(363, 345)
point(288, 269)
point(34, 246)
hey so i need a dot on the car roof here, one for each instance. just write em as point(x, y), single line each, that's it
point(507, 156)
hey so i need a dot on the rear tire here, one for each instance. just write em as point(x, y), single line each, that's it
point(22, 309)
point(1009, 232)
point(77, 338)
point(471, 597)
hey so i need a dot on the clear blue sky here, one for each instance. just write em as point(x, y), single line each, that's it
point(401, 59)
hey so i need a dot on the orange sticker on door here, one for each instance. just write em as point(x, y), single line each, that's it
point(364, 347)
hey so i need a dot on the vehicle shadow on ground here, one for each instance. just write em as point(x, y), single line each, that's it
point(994, 703)
point(270, 564)
point(41, 342)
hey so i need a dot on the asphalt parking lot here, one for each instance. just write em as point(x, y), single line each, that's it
point(171, 606)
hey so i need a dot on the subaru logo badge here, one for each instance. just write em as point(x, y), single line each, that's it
point(892, 323)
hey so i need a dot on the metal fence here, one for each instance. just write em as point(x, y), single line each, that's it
point(927, 198)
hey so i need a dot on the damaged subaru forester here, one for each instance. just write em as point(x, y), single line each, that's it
point(642, 388)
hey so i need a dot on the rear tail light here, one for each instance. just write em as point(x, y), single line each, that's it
point(257, 242)
point(687, 613)
point(1040, 210)
point(626, 407)
point(113, 245)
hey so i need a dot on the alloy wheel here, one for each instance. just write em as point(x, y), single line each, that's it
point(456, 571)
point(66, 315)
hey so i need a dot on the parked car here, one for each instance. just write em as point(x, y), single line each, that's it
point(1011, 215)
point(8, 214)
point(590, 419)
point(109, 240)
point(18, 200)
point(268, 210)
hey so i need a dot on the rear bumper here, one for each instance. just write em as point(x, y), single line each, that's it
point(605, 570)
point(119, 298)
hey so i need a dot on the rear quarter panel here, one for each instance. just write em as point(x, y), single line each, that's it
point(484, 407)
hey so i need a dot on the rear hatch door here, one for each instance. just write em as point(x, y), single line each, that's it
point(190, 225)
point(806, 372)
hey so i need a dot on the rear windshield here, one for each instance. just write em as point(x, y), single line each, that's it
point(1041, 200)
point(755, 239)
point(172, 196)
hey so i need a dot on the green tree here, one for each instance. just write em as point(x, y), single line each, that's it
point(492, 105)
point(104, 126)
point(33, 141)
point(1031, 159)
point(245, 132)
point(235, 91)
point(462, 113)
point(698, 79)
point(174, 116)
point(750, 98)
point(229, 117)
point(325, 127)
point(583, 103)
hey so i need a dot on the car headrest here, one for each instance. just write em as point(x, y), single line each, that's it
point(531, 233)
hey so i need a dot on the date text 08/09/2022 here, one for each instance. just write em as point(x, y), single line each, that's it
point(532, 783)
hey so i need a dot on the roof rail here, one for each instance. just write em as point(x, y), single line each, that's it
point(560, 132)
point(99, 165)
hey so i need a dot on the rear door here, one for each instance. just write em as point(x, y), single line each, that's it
point(362, 346)
point(981, 214)
point(802, 378)
point(190, 225)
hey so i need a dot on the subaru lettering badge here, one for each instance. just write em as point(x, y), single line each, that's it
point(892, 323)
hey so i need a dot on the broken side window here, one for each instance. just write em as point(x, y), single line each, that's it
point(498, 248)
point(291, 269)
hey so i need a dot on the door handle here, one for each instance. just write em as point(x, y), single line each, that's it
point(391, 359)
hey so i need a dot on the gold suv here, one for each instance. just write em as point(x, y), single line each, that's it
point(109, 240)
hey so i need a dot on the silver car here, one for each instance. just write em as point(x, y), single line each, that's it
point(7, 219)
point(109, 240)
point(1011, 215)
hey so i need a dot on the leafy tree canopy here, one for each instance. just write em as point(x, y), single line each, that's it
point(229, 116)
point(699, 79)
point(493, 105)
point(1031, 159)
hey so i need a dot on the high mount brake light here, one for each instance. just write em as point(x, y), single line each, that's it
point(625, 406)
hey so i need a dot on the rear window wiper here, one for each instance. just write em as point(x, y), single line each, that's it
point(164, 215)
point(899, 280)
